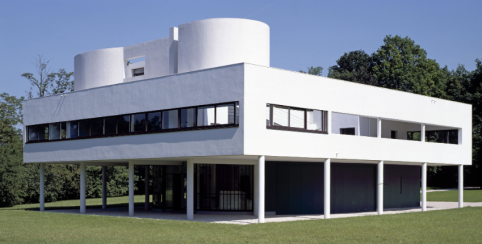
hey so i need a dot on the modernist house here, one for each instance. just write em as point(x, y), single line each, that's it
point(226, 132)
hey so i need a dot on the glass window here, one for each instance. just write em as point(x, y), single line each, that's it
point(43, 132)
point(268, 115)
point(138, 72)
point(63, 130)
point(33, 133)
point(225, 114)
point(54, 131)
point(237, 113)
point(97, 127)
point(110, 125)
point(154, 121)
point(205, 116)
point(72, 129)
point(297, 118)
point(453, 137)
point(280, 116)
point(138, 122)
point(123, 124)
point(314, 120)
point(170, 119)
point(347, 131)
point(188, 117)
point(84, 128)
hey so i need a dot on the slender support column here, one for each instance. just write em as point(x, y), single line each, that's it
point(424, 187)
point(327, 185)
point(82, 188)
point(256, 187)
point(104, 187)
point(146, 187)
point(190, 189)
point(261, 189)
point(131, 189)
point(379, 128)
point(42, 187)
point(422, 133)
point(461, 186)
point(380, 188)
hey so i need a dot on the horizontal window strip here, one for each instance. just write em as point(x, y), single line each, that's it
point(280, 117)
point(211, 116)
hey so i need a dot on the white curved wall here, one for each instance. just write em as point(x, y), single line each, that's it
point(99, 68)
point(212, 43)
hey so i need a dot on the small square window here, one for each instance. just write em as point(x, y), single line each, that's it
point(138, 72)
point(347, 131)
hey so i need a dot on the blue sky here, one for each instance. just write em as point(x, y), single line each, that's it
point(303, 33)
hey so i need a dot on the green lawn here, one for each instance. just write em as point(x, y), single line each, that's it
point(453, 196)
point(443, 226)
point(90, 202)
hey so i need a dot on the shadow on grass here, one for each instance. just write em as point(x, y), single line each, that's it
point(119, 205)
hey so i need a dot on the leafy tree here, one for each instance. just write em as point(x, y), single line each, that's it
point(404, 66)
point(353, 66)
point(61, 82)
point(313, 70)
point(12, 172)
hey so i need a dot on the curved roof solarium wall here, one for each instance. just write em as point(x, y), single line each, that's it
point(177, 119)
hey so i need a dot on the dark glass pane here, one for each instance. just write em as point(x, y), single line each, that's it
point(33, 133)
point(170, 119)
point(110, 125)
point(123, 124)
point(347, 131)
point(154, 121)
point(73, 128)
point(84, 128)
point(43, 131)
point(97, 127)
point(138, 122)
point(454, 137)
point(63, 130)
point(54, 131)
point(237, 113)
point(188, 117)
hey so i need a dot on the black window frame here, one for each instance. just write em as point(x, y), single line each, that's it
point(324, 120)
point(344, 130)
point(428, 132)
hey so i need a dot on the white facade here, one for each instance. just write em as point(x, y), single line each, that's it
point(217, 61)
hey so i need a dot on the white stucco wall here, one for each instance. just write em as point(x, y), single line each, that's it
point(98, 68)
point(211, 43)
point(217, 85)
point(269, 85)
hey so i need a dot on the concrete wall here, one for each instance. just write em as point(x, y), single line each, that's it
point(210, 43)
point(274, 86)
point(223, 84)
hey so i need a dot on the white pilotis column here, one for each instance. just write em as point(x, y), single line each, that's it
point(104, 187)
point(261, 189)
point(190, 189)
point(327, 185)
point(424, 187)
point(42, 187)
point(82, 188)
point(379, 128)
point(422, 133)
point(146, 187)
point(380, 188)
point(461, 186)
point(131, 189)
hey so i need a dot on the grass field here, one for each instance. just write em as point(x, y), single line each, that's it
point(21, 225)
point(453, 196)
point(443, 226)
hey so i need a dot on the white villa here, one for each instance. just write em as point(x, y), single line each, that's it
point(224, 131)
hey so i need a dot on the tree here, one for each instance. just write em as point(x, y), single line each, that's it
point(12, 185)
point(57, 82)
point(353, 66)
point(313, 70)
point(402, 65)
